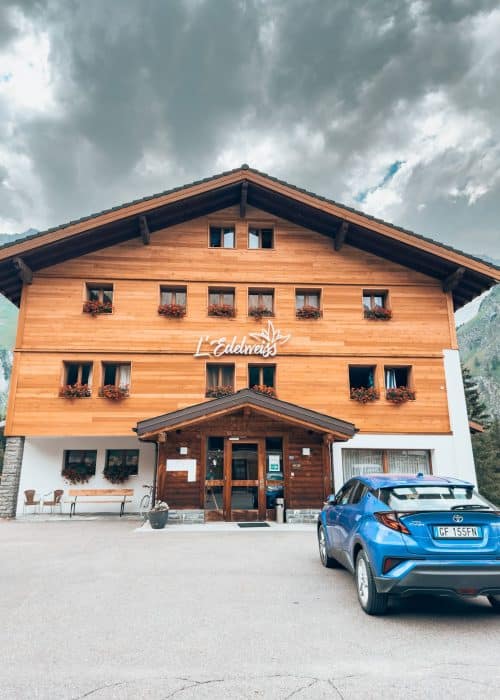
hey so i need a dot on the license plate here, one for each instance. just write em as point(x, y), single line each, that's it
point(457, 532)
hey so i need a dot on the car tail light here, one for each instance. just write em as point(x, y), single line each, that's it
point(390, 519)
point(390, 563)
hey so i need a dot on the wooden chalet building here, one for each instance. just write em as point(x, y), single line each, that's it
point(239, 337)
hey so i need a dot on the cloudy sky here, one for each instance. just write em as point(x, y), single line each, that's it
point(392, 107)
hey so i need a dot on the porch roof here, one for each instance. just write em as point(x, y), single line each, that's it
point(289, 412)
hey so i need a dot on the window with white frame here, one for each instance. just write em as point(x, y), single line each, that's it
point(362, 462)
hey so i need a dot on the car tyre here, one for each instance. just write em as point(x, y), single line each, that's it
point(495, 602)
point(371, 601)
point(326, 560)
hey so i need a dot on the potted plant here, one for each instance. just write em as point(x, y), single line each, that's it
point(116, 473)
point(222, 310)
point(263, 389)
point(378, 312)
point(172, 310)
point(308, 312)
point(96, 307)
point(114, 393)
point(364, 394)
point(158, 515)
point(217, 392)
point(400, 394)
point(78, 474)
point(75, 391)
point(258, 312)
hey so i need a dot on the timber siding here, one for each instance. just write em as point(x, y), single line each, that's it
point(312, 367)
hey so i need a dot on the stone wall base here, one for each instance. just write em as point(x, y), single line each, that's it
point(11, 474)
point(186, 516)
point(301, 516)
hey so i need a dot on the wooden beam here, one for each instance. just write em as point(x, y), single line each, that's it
point(144, 229)
point(243, 199)
point(25, 273)
point(341, 234)
point(449, 283)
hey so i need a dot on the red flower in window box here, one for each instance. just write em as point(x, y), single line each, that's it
point(75, 391)
point(308, 312)
point(263, 389)
point(217, 392)
point(378, 312)
point(258, 312)
point(400, 394)
point(78, 475)
point(364, 394)
point(114, 393)
point(222, 310)
point(97, 307)
point(172, 310)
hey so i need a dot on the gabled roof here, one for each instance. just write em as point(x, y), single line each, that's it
point(463, 274)
point(290, 412)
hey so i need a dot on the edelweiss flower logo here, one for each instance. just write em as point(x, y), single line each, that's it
point(271, 336)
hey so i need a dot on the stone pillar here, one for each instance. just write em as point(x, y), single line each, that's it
point(11, 474)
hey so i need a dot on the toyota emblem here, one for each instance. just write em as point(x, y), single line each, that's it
point(458, 518)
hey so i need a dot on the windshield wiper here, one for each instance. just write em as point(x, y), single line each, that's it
point(471, 506)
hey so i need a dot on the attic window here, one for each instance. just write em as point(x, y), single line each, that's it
point(221, 237)
point(260, 237)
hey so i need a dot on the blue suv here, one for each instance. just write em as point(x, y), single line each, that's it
point(401, 534)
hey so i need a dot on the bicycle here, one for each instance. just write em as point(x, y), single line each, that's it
point(146, 501)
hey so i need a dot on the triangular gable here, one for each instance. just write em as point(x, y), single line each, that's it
point(464, 275)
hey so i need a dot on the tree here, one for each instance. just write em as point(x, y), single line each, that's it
point(476, 409)
point(486, 448)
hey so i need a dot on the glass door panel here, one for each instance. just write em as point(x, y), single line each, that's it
point(245, 501)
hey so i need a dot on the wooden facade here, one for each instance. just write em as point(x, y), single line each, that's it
point(311, 368)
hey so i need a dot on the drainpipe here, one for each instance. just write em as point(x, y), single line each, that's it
point(155, 475)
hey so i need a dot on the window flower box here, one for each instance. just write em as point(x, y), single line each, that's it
point(116, 473)
point(78, 475)
point(308, 312)
point(379, 313)
point(266, 390)
point(222, 310)
point(94, 308)
point(75, 391)
point(400, 394)
point(364, 394)
point(259, 312)
point(114, 393)
point(217, 392)
point(172, 310)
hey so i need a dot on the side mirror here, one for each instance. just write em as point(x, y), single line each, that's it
point(331, 500)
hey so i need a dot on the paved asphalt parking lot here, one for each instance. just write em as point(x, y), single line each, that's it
point(94, 609)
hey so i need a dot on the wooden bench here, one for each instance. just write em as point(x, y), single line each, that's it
point(120, 496)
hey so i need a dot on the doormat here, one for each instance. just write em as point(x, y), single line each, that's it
point(253, 524)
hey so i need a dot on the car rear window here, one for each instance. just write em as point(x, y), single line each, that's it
point(433, 498)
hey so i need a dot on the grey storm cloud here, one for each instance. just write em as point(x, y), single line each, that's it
point(154, 94)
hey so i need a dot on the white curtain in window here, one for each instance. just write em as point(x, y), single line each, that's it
point(124, 376)
point(358, 462)
point(390, 379)
point(409, 461)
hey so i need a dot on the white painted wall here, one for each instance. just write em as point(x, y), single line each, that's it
point(444, 449)
point(43, 462)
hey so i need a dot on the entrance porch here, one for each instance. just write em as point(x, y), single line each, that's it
point(232, 457)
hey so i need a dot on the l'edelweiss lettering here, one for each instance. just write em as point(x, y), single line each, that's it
point(266, 346)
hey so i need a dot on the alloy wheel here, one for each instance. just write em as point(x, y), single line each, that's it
point(362, 581)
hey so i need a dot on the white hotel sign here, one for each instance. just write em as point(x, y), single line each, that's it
point(264, 344)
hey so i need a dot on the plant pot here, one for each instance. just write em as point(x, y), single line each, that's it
point(158, 519)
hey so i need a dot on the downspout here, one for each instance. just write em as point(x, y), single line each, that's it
point(155, 475)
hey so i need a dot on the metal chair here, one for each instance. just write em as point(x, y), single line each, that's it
point(30, 502)
point(56, 501)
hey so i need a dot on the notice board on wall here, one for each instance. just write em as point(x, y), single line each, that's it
point(182, 465)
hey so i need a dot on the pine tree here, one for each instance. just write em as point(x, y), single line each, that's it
point(476, 409)
point(486, 448)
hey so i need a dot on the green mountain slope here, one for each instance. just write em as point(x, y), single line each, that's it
point(479, 342)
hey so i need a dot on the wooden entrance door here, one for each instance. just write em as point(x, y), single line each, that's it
point(244, 493)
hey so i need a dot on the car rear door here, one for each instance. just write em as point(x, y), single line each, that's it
point(351, 514)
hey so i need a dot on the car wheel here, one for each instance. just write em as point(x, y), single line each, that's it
point(326, 560)
point(372, 602)
point(495, 602)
